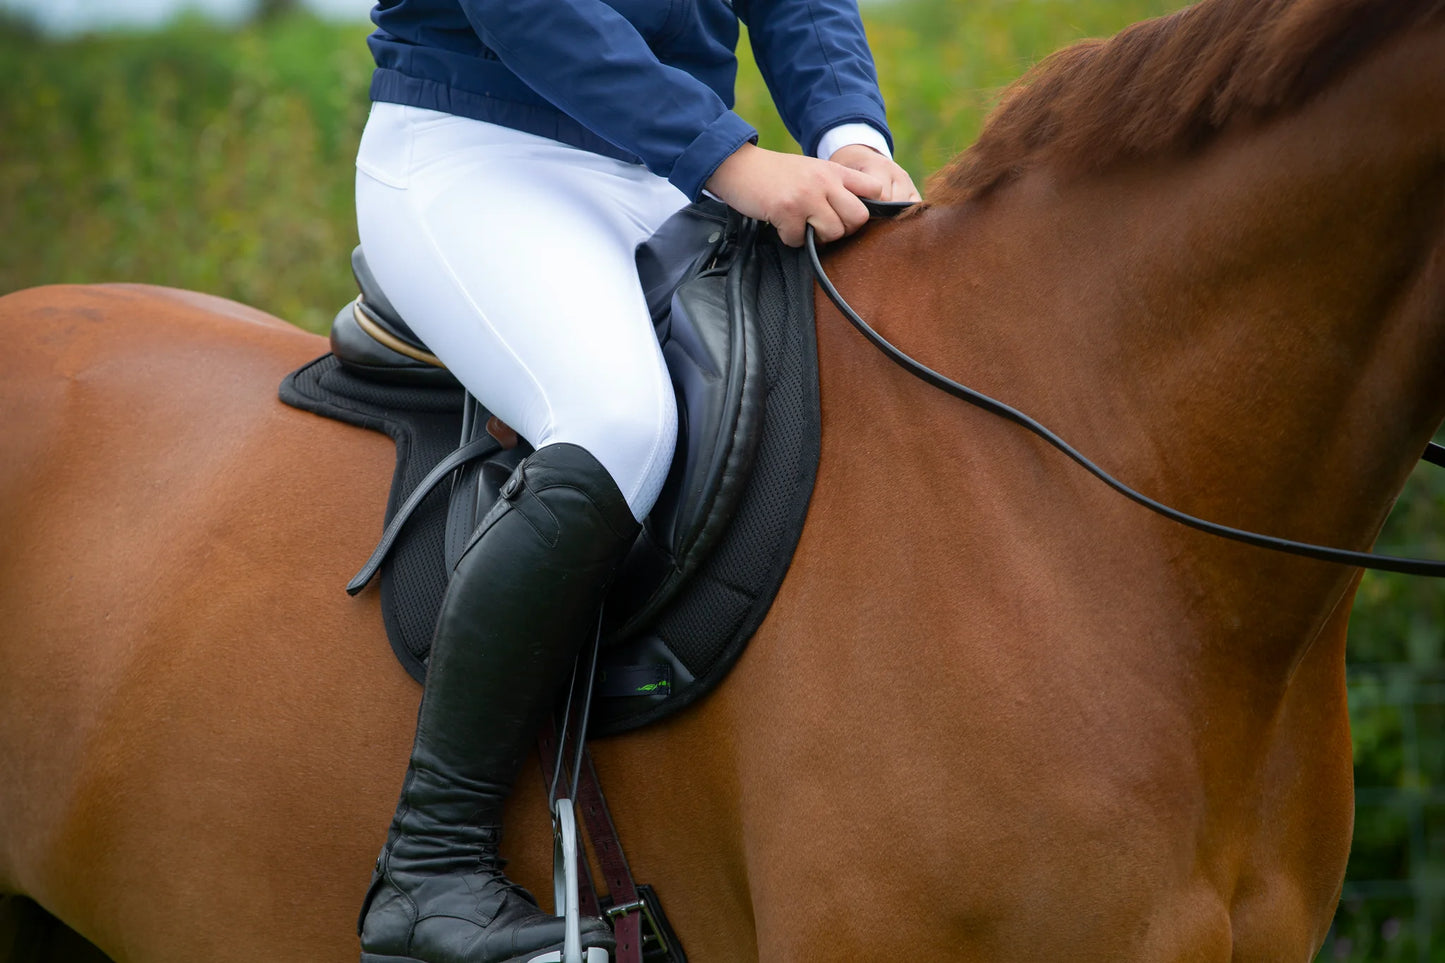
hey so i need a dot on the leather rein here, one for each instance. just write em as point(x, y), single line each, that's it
point(1434, 454)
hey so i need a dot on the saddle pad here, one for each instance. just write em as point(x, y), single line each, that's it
point(425, 423)
point(692, 643)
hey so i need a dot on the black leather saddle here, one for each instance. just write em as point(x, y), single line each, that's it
point(701, 290)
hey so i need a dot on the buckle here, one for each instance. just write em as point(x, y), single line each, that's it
point(659, 943)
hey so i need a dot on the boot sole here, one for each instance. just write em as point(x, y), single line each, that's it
point(592, 954)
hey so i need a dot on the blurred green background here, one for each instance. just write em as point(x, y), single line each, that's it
point(220, 159)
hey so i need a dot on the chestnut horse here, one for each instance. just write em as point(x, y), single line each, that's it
point(997, 711)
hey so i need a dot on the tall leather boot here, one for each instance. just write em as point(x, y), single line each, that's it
point(523, 597)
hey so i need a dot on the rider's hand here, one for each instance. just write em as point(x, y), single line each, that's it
point(791, 192)
point(897, 185)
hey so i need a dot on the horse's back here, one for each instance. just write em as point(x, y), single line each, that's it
point(171, 602)
point(115, 360)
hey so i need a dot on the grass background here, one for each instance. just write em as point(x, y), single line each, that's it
point(221, 160)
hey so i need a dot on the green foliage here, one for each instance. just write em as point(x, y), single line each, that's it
point(17, 26)
point(195, 157)
point(221, 160)
point(273, 9)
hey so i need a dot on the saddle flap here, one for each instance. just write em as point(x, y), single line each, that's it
point(685, 243)
point(714, 357)
point(714, 330)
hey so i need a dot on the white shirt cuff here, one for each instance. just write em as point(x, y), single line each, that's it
point(855, 133)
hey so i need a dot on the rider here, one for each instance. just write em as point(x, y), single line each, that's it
point(515, 155)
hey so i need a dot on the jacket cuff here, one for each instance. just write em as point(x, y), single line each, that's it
point(717, 142)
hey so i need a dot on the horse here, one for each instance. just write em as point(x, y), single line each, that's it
point(996, 712)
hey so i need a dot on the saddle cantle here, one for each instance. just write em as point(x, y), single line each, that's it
point(745, 373)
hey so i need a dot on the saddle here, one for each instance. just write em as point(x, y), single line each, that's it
point(732, 308)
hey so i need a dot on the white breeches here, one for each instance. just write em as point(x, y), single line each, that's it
point(511, 256)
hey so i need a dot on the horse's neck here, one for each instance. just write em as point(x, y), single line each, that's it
point(1279, 313)
point(1253, 335)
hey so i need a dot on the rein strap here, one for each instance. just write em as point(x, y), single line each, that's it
point(1434, 454)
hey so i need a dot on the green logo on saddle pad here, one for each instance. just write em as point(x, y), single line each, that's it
point(654, 686)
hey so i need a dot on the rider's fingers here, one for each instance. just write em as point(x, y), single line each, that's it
point(792, 225)
point(852, 213)
point(862, 184)
point(827, 224)
point(897, 185)
point(902, 188)
point(791, 232)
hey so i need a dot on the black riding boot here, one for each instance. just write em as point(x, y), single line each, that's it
point(522, 599)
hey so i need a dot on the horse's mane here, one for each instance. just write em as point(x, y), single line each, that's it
point(1171, 84)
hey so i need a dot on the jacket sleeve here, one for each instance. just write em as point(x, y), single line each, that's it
point(814, 56)
point(589, 61)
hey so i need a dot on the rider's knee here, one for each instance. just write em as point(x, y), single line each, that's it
point(633, 438)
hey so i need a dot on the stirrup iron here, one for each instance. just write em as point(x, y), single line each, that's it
point(565, 883)
point(566, 878)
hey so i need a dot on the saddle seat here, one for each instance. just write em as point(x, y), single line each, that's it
point(702, 296)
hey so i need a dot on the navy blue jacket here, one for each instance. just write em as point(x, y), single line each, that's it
point(647, 81)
